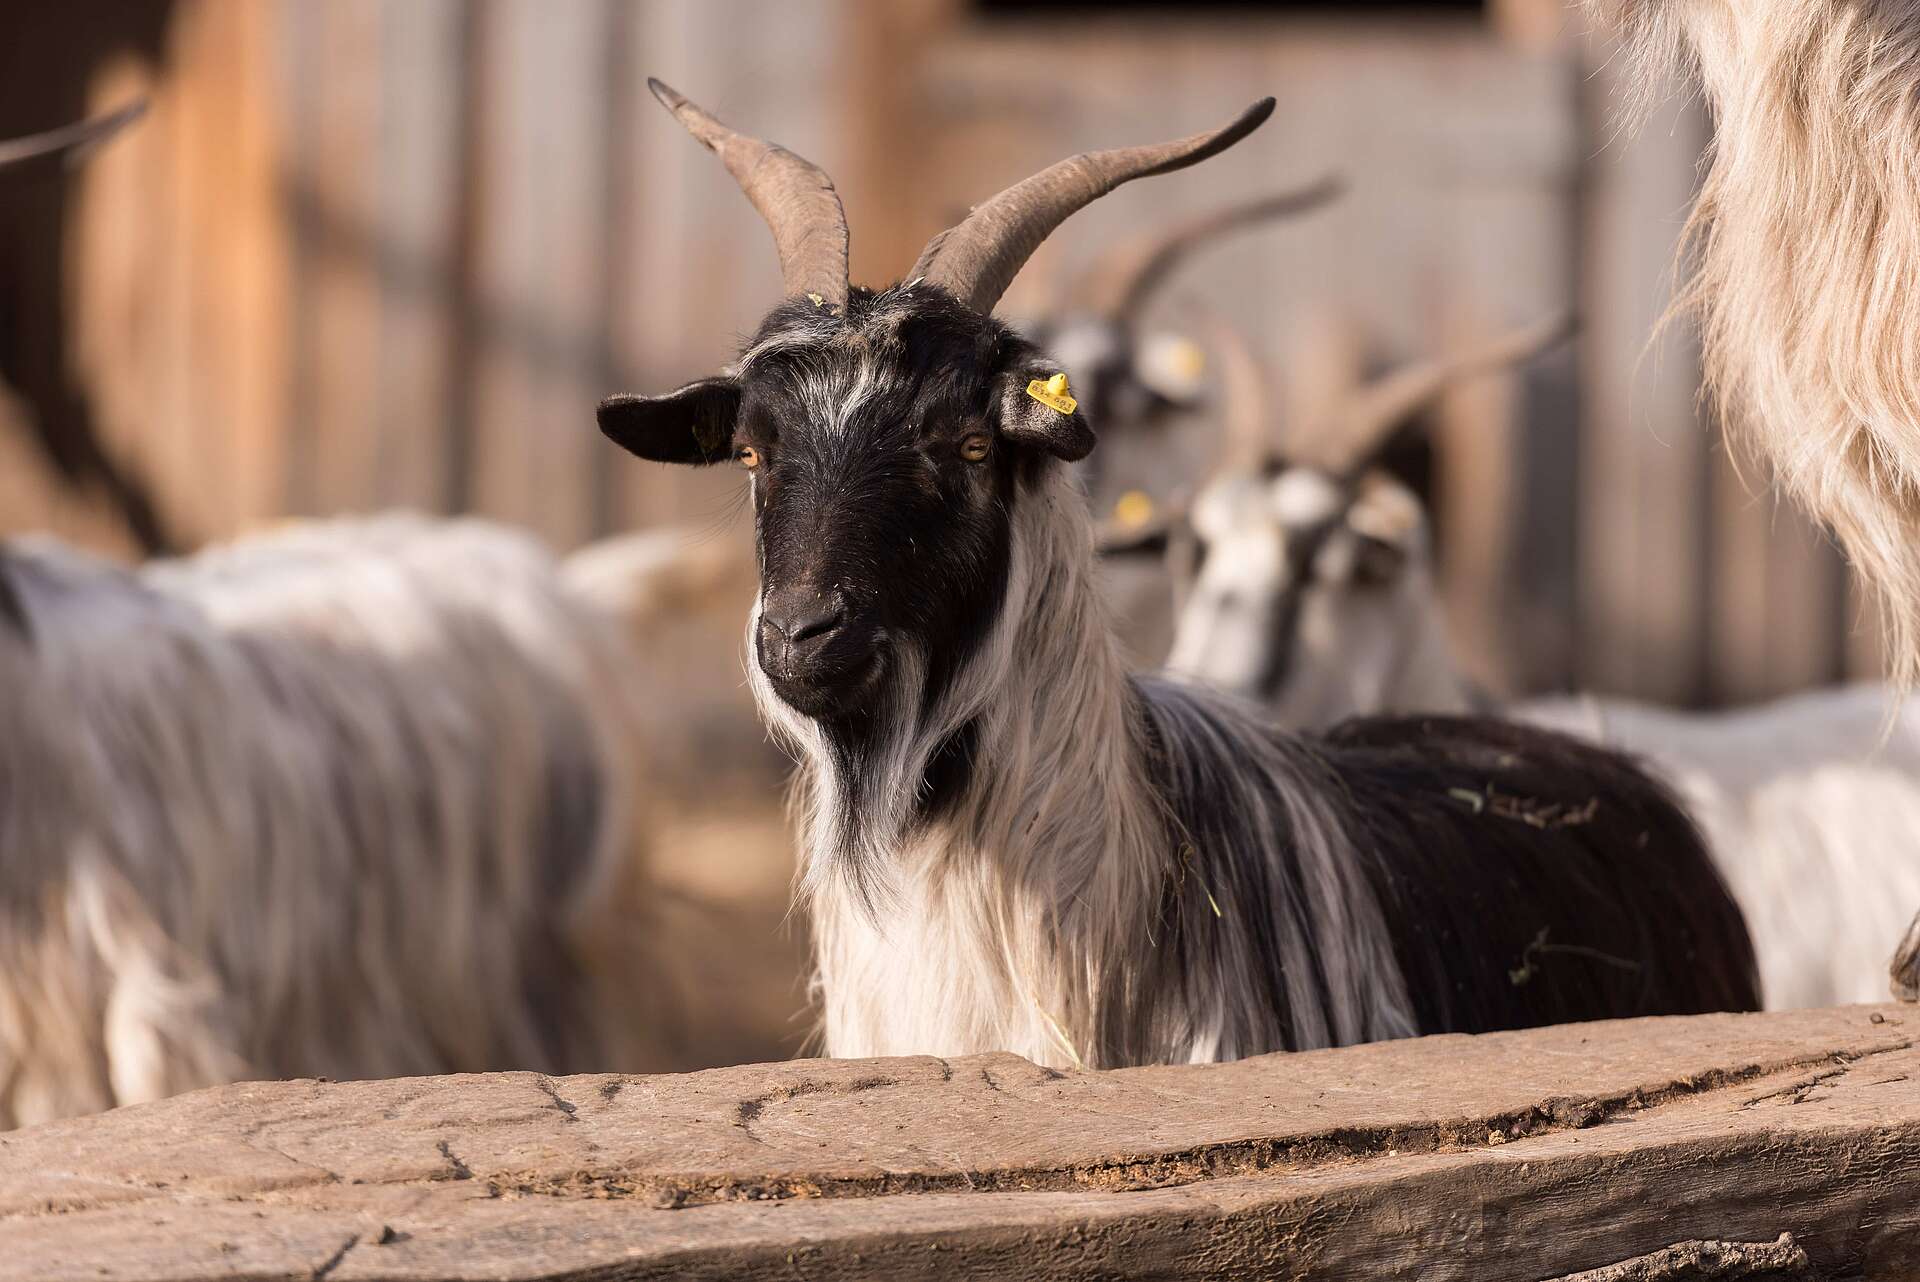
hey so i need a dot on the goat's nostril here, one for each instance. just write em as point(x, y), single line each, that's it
point(817, 625)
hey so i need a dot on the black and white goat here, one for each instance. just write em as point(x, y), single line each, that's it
point(1010, 842)
point(1315, 598)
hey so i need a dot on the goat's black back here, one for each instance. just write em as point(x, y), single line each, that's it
point(1529, 878)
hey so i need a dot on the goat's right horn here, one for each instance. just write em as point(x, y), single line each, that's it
point(67, 138)
point(1368, 422)
point(795, 196)
point(1118, 283)
point(979, 257)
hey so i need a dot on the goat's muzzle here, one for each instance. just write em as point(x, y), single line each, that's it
point(821, 654)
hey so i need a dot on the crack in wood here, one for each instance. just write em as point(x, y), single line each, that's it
point(567, 1107)
point(1781, 1260)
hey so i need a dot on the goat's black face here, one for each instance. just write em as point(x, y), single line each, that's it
point(886, 448)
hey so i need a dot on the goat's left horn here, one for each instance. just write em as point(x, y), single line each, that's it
point(795, 196)
point(978, 258)
point(1120, 281)
point(1370, 420)
point(67, 138)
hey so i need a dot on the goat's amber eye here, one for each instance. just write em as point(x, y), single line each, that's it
point(974, 446)
point(748, 456)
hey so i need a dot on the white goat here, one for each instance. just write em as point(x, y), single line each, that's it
point(1807, 239)
point(341, 799)
point(1315, 597)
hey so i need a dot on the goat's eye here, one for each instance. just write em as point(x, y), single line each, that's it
point(747, 456)
point(974, 446)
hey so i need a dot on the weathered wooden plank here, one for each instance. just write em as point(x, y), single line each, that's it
point(422, 82)
point(537, 264)
point(334, 52)
point(1645, 452)
point(1509, 1156)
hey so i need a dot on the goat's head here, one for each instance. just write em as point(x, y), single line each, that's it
point(1126, 376)
point(1306, 581)
point(888, 435)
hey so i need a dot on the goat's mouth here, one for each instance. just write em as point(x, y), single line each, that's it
point(837, 681)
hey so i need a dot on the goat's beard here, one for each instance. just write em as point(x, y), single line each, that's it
point(860, 794)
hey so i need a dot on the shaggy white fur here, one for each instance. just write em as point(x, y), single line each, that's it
point(337, 800)
point(1806, 238)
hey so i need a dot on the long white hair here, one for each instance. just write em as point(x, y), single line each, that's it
point(1806, 247)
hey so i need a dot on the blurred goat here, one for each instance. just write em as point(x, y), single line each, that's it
point(1806, 237)
point(1315, 597)
point(1011, 843)
point(341, 799)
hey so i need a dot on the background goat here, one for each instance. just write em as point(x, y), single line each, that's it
point(1009, 842)
point(1139, 384)
point(1315, 597)
point(1807, 239)
point(344, 799)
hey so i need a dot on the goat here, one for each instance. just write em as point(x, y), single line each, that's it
point(1315, 598)
point(1011, 843)
point(342, 799)
point(1806, 238)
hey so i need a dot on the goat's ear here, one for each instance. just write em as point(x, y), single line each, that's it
point(1038, 409)
point(691, 425)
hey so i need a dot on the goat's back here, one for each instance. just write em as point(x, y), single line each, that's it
point(1530, 878)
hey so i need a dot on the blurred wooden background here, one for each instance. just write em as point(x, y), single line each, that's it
point(370, 253)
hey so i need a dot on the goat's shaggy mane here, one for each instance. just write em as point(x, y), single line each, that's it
point(1806, 246)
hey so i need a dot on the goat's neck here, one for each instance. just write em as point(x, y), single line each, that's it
point(1008, 920)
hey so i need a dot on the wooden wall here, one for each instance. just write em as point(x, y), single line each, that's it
point(390, 252)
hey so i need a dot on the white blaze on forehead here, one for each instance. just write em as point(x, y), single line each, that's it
point(1228, 505)
point(1301, 497)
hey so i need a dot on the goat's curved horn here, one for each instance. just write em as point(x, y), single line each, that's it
point(1119, 282)
point(17, 151)
point(1366, 424)
point(795, 196)
point(978, 258)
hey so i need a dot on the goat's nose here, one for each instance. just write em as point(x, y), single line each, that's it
point(796, 623)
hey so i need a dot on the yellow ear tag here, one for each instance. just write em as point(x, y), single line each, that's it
point(1053, 394)
point(1189, 359)
point(1132, 510)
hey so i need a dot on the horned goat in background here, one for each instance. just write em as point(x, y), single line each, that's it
point(1011, 843)
point(1806, 239)
point(1130, 380)
point(340, 800)
point(1315, 598)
